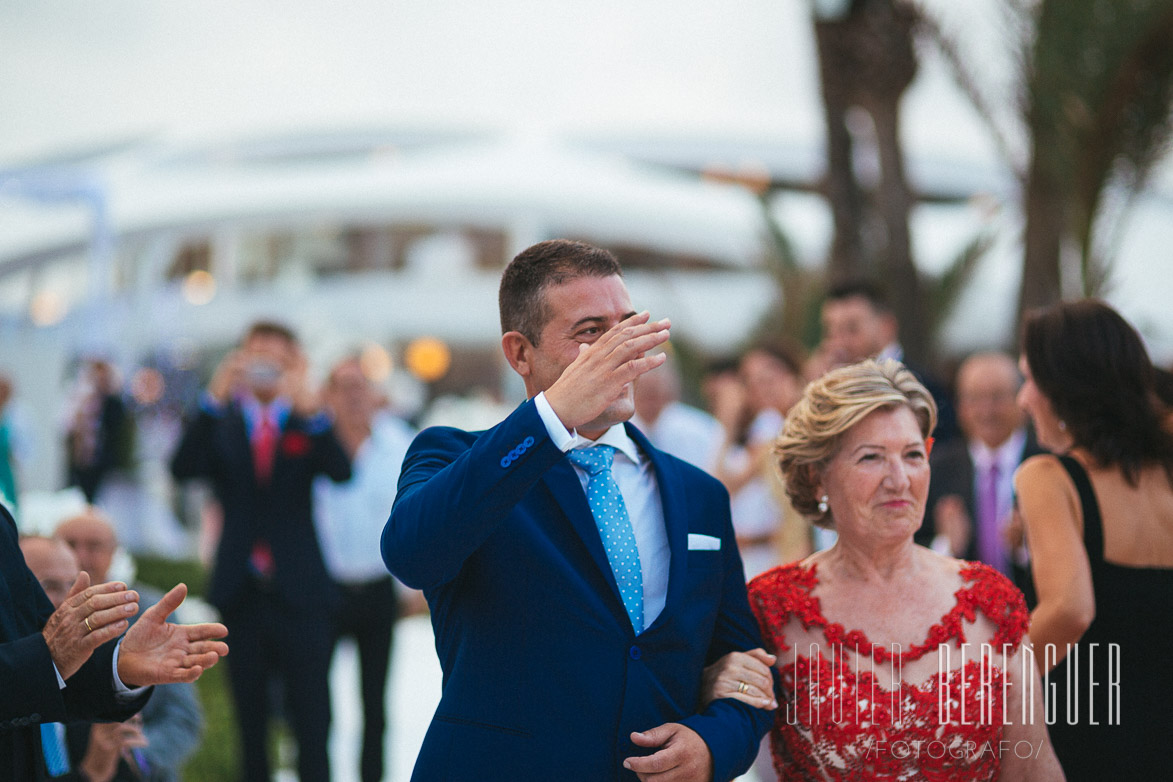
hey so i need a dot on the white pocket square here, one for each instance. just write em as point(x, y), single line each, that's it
point(703, 542)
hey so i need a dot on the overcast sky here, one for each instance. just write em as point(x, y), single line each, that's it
point(81, 73)
point(77, 72)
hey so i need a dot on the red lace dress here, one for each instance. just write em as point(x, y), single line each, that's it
point(837, 720)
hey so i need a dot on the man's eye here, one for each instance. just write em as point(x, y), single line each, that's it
point(593, 331)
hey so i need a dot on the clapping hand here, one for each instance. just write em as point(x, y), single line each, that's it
point(155, 651)
point(87, 618)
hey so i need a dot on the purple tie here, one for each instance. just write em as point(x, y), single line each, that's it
point(990, 549)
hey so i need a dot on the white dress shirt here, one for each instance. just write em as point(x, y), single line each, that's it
point(685, 432)
point(636, 478)
point(350, 516)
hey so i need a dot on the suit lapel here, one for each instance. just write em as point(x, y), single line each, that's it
point(563, 483)
point(672, 501)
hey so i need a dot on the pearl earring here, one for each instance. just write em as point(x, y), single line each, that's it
point(823, 504)
point(1062, 426)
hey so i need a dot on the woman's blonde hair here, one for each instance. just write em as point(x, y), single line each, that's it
point(830, 407)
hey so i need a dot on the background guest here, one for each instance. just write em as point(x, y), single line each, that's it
point(971, 497)
point(1099, 521)
point(260, 439)
point(14, 445)
point(350, 518)
point(768, 383)
point(671, 425)
point(172, 721)
point(95, 428)
point(858, 324)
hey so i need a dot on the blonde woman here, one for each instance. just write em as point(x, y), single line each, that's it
point(894, 662)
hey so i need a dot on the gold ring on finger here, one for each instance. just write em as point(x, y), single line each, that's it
point(742, 688)
point(87, 623)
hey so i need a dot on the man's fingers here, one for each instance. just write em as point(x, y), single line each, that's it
point(105, 602)
point(109, 616)
point(79, 585)
point(105, 633)
point(621, 336)
point(203, 635)
point(169, 602)
point(637, 346)
point(656, 763)
point(640, 366)
point(106, 594)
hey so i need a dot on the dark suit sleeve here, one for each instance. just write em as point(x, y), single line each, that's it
point(30, 691)
point(454, 491)
point(732, 730)
point(193, 457)
point(330, 457)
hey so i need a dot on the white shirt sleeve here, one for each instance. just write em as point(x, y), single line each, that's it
point(562, 437)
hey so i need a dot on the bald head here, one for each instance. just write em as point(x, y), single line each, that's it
point(987, 384)
point(52, 563)
point(92, 538)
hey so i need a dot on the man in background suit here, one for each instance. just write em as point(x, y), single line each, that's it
point(260, 439)
point(579, 579)
point(65, 664)
point(971, 496)
point(858, 323)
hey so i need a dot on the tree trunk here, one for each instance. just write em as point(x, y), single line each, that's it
point(1045, 228)
point(842, 190)
point(894, 204)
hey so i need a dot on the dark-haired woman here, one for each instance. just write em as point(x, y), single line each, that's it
point(1099, 519)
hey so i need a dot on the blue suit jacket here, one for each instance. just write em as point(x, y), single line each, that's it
point(544, 677)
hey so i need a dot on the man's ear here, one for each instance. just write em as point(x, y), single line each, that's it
point(518, 352)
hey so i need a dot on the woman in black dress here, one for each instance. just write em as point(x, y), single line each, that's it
point(1099, 520)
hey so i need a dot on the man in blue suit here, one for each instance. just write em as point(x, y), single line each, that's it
point(579, 579)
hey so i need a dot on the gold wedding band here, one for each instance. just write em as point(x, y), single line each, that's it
point(87, 623)
point(742, 688)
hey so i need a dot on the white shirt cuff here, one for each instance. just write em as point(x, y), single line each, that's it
point(562, 437)
point(60, 681)
point(122, 693)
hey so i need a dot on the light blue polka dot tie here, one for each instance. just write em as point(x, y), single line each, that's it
point(614, 527)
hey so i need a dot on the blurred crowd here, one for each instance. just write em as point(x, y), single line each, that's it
point(299, 479)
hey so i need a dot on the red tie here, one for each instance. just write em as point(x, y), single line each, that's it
point(264, 446)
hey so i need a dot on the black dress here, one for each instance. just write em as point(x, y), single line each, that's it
point(1116, 683)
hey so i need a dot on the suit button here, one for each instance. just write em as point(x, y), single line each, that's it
point(635, 653)
point(528, 442)
point(506, 462)
point(35, 717)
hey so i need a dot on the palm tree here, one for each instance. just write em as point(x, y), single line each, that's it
point(1096, 86)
